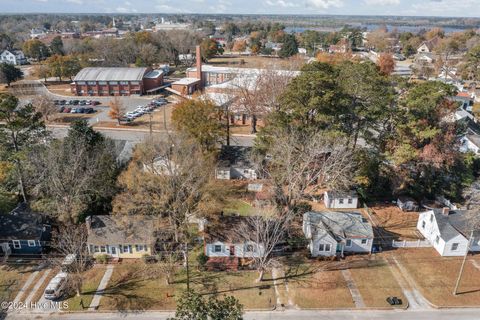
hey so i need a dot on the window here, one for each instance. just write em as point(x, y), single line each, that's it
point(113, 82)
point(126, 249)
point(349, 243)
point(364, 241)
point(135, 83)
point(96, 249)
point(125, 83)
point(437, 239)
point(431, 218)
point(350, 201)
point(31, 243)
point(324, 247)
point(103, 249)
point(340, 201)
point(217, 248)
point(102, 83)
point(91, 83)
point(454, 246)
point(141, 247)
point(423, 224)
point(16, 244)
point(249, 248)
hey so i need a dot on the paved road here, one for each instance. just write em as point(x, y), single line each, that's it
point(442, 314)
point(137, 136)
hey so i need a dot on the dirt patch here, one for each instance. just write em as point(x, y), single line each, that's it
point(393, 223)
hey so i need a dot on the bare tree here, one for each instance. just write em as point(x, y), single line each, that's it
point(72, 240)
point(257, 92)
point(263, 233)
point(117, 109)
point(44, 105)
point(302, 163)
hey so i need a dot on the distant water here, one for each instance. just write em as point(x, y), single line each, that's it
point(370, 27)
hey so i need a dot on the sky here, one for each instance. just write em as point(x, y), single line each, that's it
point(454, 8)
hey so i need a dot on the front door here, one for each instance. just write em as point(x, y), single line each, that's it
point(114, 251)
point(232, 250)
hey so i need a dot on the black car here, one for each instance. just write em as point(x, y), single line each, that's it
point(63, 101)
point(56, 102)
point(75, 102)
point(89, 110)
point(81, 110)
point(82, 102)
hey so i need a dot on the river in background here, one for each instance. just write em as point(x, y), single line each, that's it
point(371, 27)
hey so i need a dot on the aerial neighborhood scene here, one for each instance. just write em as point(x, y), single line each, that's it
point(229, 160)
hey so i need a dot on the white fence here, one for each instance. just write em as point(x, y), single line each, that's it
point(411, 244)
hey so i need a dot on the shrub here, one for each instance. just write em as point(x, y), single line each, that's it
point(202, 260)
point(102, 258)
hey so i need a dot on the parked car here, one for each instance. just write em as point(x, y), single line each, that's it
point(76, 102)
point(61, 109)
point(95, 103)
point(66, 110)
point(89, 110)
point(82, 102)
point(56, 286)
point(74, 110)
point(63, 101)
point(56, 102)
point(81, 110)
point(88, 102)
point(66, 102)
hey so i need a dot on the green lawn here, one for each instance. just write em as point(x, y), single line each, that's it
point(91, 281)
point(239, 207)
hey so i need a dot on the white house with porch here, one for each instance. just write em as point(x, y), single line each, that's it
point(15, 57)
point(336, 233)
point(449, 231)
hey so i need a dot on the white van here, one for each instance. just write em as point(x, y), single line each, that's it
point(56, 286)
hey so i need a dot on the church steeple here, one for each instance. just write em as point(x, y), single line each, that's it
point(113, 22)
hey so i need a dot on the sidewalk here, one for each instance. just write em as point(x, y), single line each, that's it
point(101, 288)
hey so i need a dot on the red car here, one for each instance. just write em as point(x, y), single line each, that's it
point(66, 110)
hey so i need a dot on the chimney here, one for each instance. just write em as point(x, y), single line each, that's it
point(445, 211)
point(88, 222)
point(198, 56)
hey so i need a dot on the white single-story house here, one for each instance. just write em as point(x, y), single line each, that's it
point(449, 230)
point(335, 233)
point(234, 162)
point(15, 57)
point(470, 143)
point(222, 240)
point(340, 199)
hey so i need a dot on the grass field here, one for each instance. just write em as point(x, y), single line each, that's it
point(91, 281)
point(12, 279)
point(240, 207)
point(436, 276)
point(375, 283)
point(255, 62)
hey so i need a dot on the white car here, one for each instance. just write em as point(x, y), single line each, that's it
point(56, 286)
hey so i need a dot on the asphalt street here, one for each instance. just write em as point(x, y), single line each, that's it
point(437, 314)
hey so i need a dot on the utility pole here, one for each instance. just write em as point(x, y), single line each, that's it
point(463, 264)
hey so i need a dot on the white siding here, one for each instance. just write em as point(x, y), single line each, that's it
point(461, 247)
point(326, 239)
point(357, 246)
point(340, 203)
point(239, 250)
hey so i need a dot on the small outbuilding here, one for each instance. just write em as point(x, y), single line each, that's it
point(407, 204)
point(234, 162)
point(340, 199)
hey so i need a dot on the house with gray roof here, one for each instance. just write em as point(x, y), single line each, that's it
point(122, 236)
point(449, 231)
point(24, 232)
point(336, 233)
point(235, 162)
point(336, 199)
